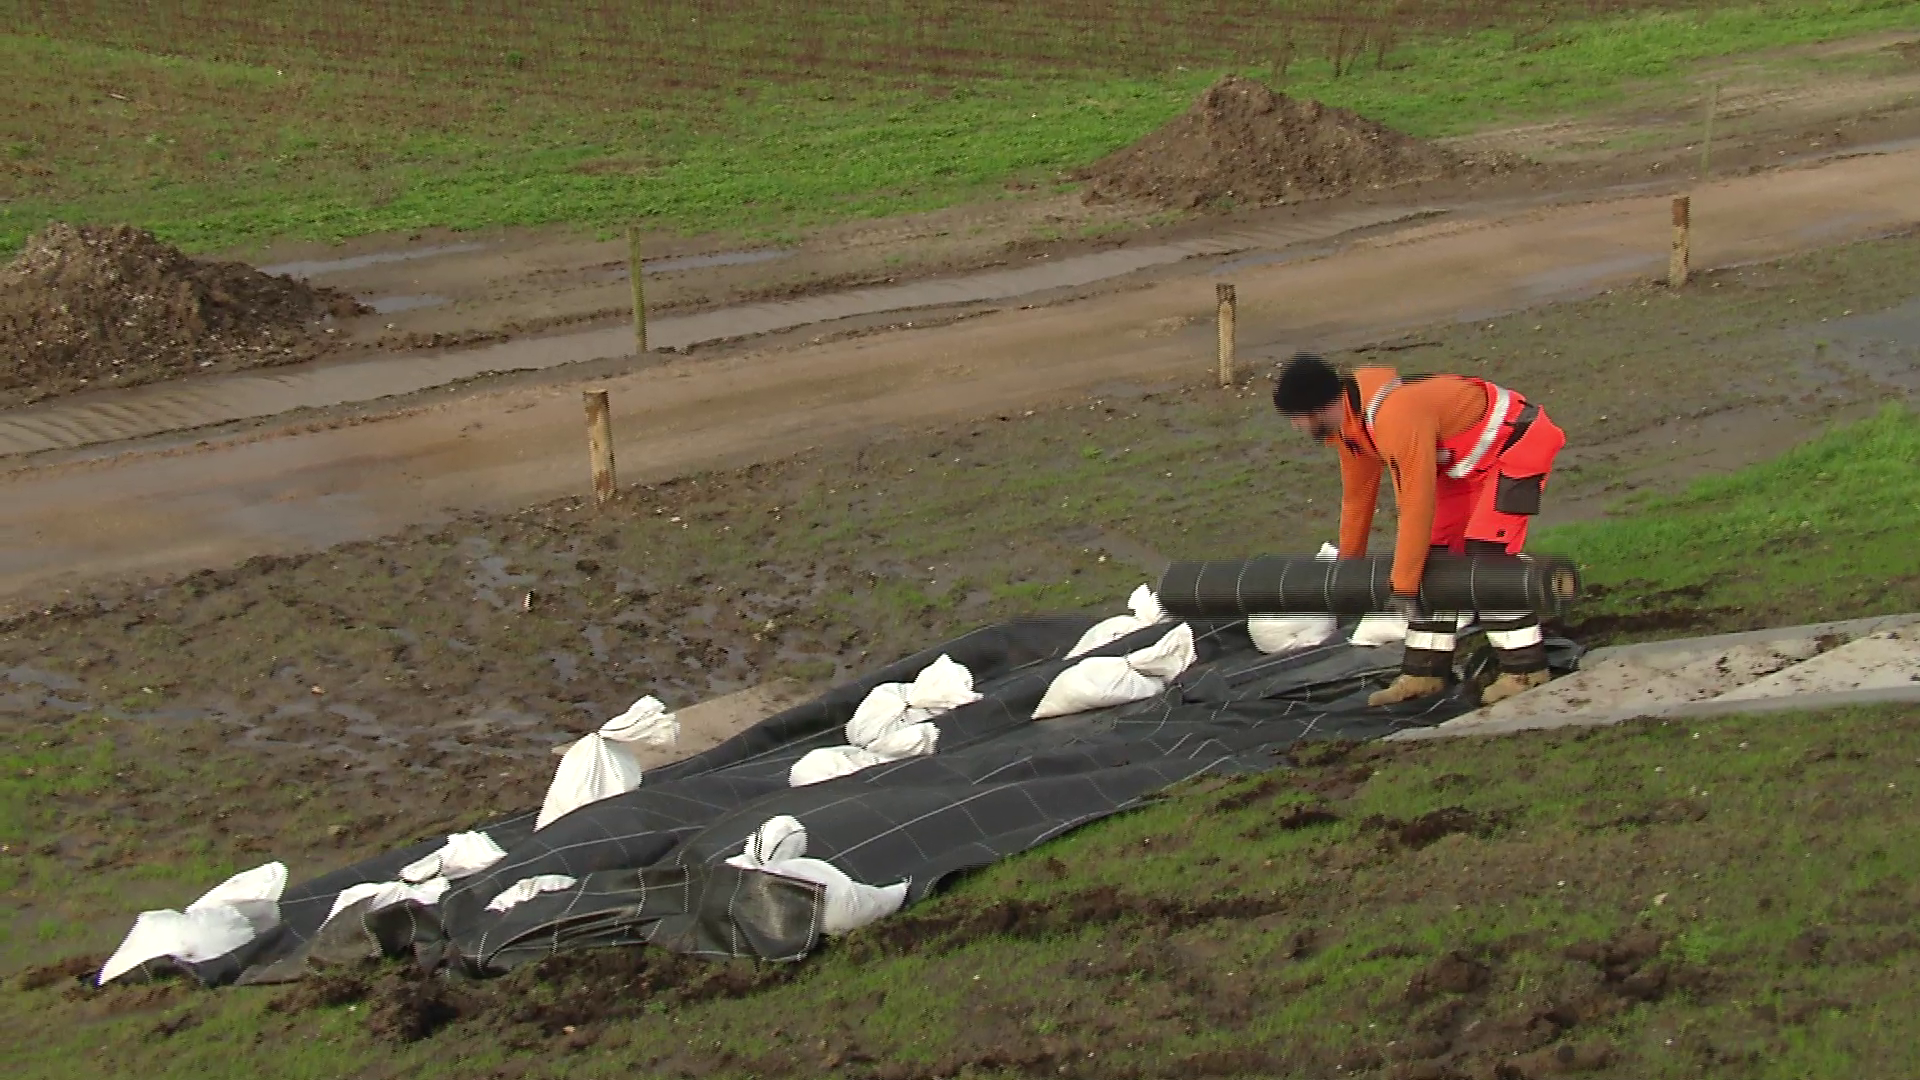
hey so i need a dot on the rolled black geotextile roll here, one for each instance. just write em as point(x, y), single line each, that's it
point(1306, 585)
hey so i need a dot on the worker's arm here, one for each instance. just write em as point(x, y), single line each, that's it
point(1359, 492)
point(1408, 436)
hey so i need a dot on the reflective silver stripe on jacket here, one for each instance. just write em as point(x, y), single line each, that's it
point(1496, 417)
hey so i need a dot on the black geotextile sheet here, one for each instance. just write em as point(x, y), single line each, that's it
point(649, 863)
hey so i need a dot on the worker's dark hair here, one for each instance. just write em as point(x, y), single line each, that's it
point(1306, 384)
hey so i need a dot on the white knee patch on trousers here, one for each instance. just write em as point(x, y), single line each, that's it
point(1511, 639)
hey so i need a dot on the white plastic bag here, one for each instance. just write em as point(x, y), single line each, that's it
point(527, 888)
point(601, 766)
point(1101, 682)
point(386, 894)
point(1146, 611)
point(779, 847)
point(228, 916)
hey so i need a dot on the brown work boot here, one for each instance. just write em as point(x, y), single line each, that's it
point(1409, 688)
point(1510, 684)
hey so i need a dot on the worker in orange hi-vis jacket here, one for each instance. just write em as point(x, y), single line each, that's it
point(1469, 460)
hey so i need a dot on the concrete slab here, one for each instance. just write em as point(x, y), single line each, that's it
point(1813, 666)
point(1679, 711)
point(1890, 658)
point(1847, 629)
point(1650, 681)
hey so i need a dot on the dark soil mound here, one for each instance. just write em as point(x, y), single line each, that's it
point(113, 306)
point(1241, 141)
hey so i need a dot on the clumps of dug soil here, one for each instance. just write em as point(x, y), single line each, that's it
point(1244, 143)
point(89, 306)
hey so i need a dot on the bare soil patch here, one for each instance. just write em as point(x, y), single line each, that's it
point(113, 306)
point(1245, 143)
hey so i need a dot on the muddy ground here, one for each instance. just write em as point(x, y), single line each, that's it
point(435, 289)
point(324, 707)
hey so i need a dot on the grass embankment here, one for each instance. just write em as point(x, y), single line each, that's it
point(1725, 899)
point(216, 130)
point(1825, 532)
point(190, 742)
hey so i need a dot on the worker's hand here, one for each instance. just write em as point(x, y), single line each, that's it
point(1407, 607)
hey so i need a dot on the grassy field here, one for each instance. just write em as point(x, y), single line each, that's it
point(154, 740)
point(1824, 532)
point(220, 127)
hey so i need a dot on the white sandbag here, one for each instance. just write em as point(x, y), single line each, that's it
point(941, 686)
point(884, 707)
point(778, 838)
point(1101, 682)
point(601, 765)
point(645, 721)
point(226, 917)
point(891, 723)
point(905, 741)
point(261, 884)
point(386, 894)
point(463, 855)
point(1287, 633)
point(1098, 682)
point(190, 937)
point(779, 847)
point(527, 888)
point(1167, 657)
point(1146, 611)
point(829, 762)
point(850, 904)
point(254, 893)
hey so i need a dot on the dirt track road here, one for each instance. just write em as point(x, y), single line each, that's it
point(216, 504)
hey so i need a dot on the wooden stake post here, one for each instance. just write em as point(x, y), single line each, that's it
point(639, 292)
point(1223, 295)
point(600, 444)
point(1682, 223)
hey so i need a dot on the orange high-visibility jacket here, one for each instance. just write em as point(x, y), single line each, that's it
point(1416, 429)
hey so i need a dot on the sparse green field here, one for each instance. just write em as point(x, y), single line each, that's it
point(227, 125)
point(1256, 929)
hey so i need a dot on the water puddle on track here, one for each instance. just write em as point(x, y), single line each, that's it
point(677, 263)
point(393, 305)
point(113, 415)
point(318, 267)
point(1884, 346)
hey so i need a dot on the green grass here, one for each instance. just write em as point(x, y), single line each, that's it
point(1751, 835)
point(1730, 840)
point(1826, 531)
point(239, 138)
